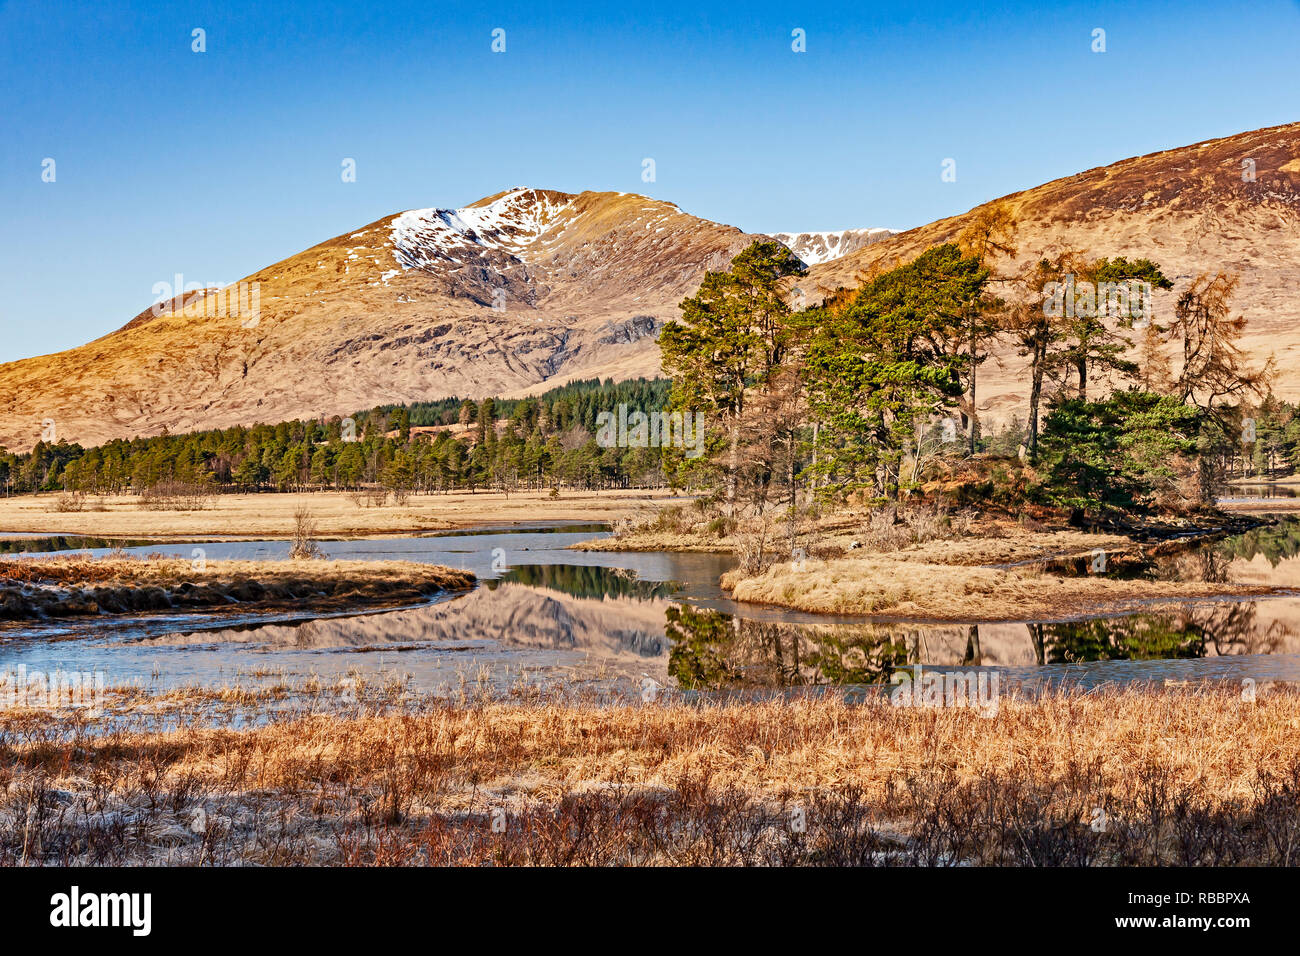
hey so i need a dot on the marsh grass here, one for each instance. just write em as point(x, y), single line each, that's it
point(70, 584)
point(68, 501)
point(74, 569)
point(922, 562)
point(1133, 777)
point(337, 513)
point(909, 587)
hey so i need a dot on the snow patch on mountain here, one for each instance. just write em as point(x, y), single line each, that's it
point(509, 223)
point(516, 218)
point(815, 248)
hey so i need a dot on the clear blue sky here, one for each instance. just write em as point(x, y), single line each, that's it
point(216, 164)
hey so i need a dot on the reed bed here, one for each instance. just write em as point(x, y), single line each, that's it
point(1121, 777)
point(335, 512)
point(77, 569)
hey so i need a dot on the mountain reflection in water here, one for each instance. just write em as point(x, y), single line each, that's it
point(606, 620)
point(509, 614)
point(617, 618)
point(705, 649)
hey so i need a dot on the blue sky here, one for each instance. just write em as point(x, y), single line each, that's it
point(216, 164)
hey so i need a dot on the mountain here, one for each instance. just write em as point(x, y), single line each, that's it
point(1190, 209)
point(530, 288)
point(520, 291)
point(815, 248)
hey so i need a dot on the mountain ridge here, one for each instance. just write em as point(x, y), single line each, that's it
point(524, 288)
point(528, 288)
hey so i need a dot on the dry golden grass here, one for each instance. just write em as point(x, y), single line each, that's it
point(682, 542)
point(335, 513)
point(76, 570)
point(1007, 543)
point(924, 567)
point(967, 538)
point(66, 585)
point(1183, 777)
point(904, 586)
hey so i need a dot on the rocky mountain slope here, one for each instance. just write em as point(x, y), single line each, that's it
point(531, 288)
point(523, 290)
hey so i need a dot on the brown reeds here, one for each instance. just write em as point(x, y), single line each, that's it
point(1133, 777)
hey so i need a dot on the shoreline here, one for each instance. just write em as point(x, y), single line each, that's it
point(70, 586)
point(336, 514)
point(984, 602)
point(1261, 506)
point(1288, 480)
point(989, 570)
point(997, 573)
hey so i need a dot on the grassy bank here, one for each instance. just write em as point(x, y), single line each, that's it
point(71, 585)
point(1134, 777)
point(910, 588)
point(1291, 479)
point(336, 514)
point(926, 565)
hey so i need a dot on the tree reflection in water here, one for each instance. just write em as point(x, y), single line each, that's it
point(1137, 638)
point(1276, 543)
point(584, 581)
point(1192, 632)
point(1210, 562)
point(73, 542)
point(711, 650)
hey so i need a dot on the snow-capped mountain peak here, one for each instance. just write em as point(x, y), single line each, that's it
point(509, 222)
point(815, 248)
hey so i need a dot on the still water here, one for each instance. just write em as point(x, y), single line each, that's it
point(1240, 493)
point(547, 615)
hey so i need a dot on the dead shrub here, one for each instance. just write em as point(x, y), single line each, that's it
point(303, 544)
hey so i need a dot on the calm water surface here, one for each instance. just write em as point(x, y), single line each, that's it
point(549, 615)
point(1259, 491)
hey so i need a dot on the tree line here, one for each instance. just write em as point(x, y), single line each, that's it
point(876, 389)
point(505, 444)
point(867, 395)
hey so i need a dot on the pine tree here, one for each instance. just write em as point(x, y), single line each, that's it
point(733, 335)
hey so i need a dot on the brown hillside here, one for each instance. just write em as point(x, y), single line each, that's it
point(531, 288)
point(1188, 209)
point(406, 308)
